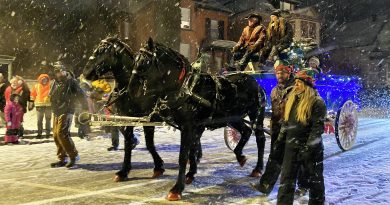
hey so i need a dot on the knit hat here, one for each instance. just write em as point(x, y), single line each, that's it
point(282, 66)
point(276, 12)
point(59, 66)
point(306, 75)
point(254, 15)
point(314, 60)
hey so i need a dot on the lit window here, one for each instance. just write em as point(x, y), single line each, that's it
point(309, 30)
point(185, 18)
point(214, 29)
point(286, 6)
point(185, 49)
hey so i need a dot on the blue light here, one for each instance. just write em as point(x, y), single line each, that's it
point(334, 89)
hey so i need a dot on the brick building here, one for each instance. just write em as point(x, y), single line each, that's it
point(159, 19)
point(201, 23)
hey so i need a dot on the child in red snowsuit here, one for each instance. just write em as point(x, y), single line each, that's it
point(13, 112)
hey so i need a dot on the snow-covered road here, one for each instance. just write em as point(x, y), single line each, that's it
point(358, 176)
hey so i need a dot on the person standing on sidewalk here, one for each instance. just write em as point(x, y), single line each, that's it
point(279, 95)
point(64, 93)
point(303, 125)
point(14, 117)
point(3, 85)
point(40, 95)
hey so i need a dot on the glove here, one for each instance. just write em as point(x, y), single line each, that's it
point(235, 48)
point(9, 124)
point(251, 48)
point(30, 106)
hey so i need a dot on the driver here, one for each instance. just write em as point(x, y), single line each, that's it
point(251, 41)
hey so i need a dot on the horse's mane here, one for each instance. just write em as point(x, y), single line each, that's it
point(113, 40)
point(162, 49)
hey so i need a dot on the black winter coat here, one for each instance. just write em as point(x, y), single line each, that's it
point(64, 95)
point(3, 86)
point(305, 137)
point(278, 100)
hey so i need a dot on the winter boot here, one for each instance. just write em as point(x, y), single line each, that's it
point(58, 164)
point(72, 162)
point(112, 148)
point(261, 188)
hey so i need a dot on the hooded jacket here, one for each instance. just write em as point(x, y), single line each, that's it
point(13, 113)
point(21, 90)
point(40, 93)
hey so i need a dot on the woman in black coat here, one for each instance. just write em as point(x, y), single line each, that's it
point(304, 118)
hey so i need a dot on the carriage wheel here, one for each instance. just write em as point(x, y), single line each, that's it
point(346, 125)
point(232, 137)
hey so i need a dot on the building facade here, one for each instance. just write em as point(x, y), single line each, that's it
point(201, 23)
point(158, 19)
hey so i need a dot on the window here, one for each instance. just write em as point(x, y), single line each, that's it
point(286, 6)
point(309, 30)
point(185, 18)
point(185, 49)
point(214, 29)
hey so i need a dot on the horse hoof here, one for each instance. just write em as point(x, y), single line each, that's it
point(120, 179)
point(242, 161)
point(157, 173)
point(255, 173)
point(189, 180)
point(173, 196)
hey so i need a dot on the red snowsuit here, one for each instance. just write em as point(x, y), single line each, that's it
point(14, 117)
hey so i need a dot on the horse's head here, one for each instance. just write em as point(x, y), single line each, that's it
point(159, 67)
point(110, 54)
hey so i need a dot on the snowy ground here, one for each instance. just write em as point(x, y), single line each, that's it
point(358, 176)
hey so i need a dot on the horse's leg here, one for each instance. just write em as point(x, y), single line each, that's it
point(187, 137)
point(194, 156)
point(199, 152)
point(245, 132)
point(122, 175)
point(158, 162)
point(257, 118)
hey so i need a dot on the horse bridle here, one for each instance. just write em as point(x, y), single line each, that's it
point(117, 51)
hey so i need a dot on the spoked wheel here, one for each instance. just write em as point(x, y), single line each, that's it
point(346, 125)
point(232, 137)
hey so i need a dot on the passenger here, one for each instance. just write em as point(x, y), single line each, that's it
point(280, 35)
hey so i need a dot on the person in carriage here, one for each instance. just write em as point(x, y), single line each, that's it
point(250, 43)
point(279, 36)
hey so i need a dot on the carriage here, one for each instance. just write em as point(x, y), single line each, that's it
point(173, 103)
point(339, 92)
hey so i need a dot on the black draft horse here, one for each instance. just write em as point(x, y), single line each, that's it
point(115, 56)
point(194, 101)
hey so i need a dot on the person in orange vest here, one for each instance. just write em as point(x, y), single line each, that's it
point(40, 95)
point(251, 41)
